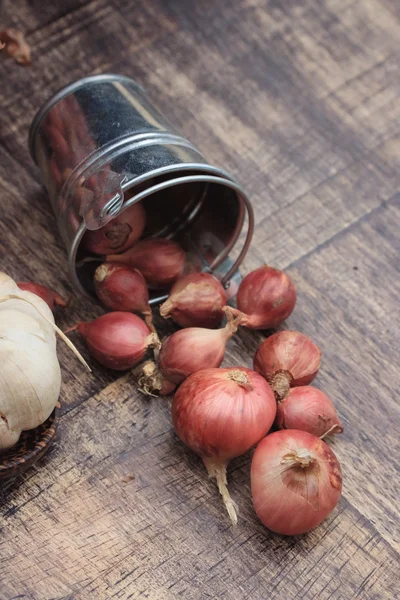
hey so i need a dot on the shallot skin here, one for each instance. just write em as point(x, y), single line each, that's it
point(296, 481)
point(117, 340)
point(199, 351)
point(160, 261)
point(52, 298)
point(266, 297)
point(195, 300)
point(119, 234)
point(308, 409)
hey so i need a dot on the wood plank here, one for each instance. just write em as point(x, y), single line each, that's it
point(83, 502)
point(300, 101)
point(31, 15)
point(348, 303)
point(120, 509)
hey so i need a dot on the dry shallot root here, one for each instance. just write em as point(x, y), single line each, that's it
point(14, 45)
point(151, 381)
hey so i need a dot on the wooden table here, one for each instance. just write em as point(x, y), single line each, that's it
point(301, 101)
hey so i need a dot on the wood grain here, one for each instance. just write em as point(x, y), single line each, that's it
point(165, 530)
point(300, 101)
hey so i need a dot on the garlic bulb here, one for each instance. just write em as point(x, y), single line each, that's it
point(30, 377)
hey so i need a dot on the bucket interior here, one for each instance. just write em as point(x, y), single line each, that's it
point(204, 217)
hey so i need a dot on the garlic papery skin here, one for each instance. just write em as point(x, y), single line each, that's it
point(30, 377)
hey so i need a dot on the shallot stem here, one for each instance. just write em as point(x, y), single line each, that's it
point(331, 430)
point(72, 328)
point(148, 319)
point(58, 330)
point(60, 301)
point(218, 472)
point(233, 321)
point(232, 313)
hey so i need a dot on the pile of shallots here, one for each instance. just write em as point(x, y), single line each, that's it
point(220, 413)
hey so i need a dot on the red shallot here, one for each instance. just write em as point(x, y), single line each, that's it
point(160, 261)
point(119, 234)
point(296, 481)
point(285, 359)
point(308, 409)
point(221, 414)
point(266, 297)
point(51, 297)
point(194, 348)
point(117, 340)
point(196, 300)
point(123, 288)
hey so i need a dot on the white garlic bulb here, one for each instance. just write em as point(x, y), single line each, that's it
point(30, 376)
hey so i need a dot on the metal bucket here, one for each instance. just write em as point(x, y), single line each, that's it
point(101, 147)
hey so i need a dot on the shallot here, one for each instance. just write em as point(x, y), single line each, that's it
point(266, 297)
point(195, 300)
point(117, 340)
point(308, 409)
point(119, 234)
point(221, 414)
point(296, 481)
point(160, 261)
point(123, 288)
point(194, 348)
point(51, 297)
point(285, 359)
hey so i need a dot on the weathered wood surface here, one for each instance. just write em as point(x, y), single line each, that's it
point(300, 100)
